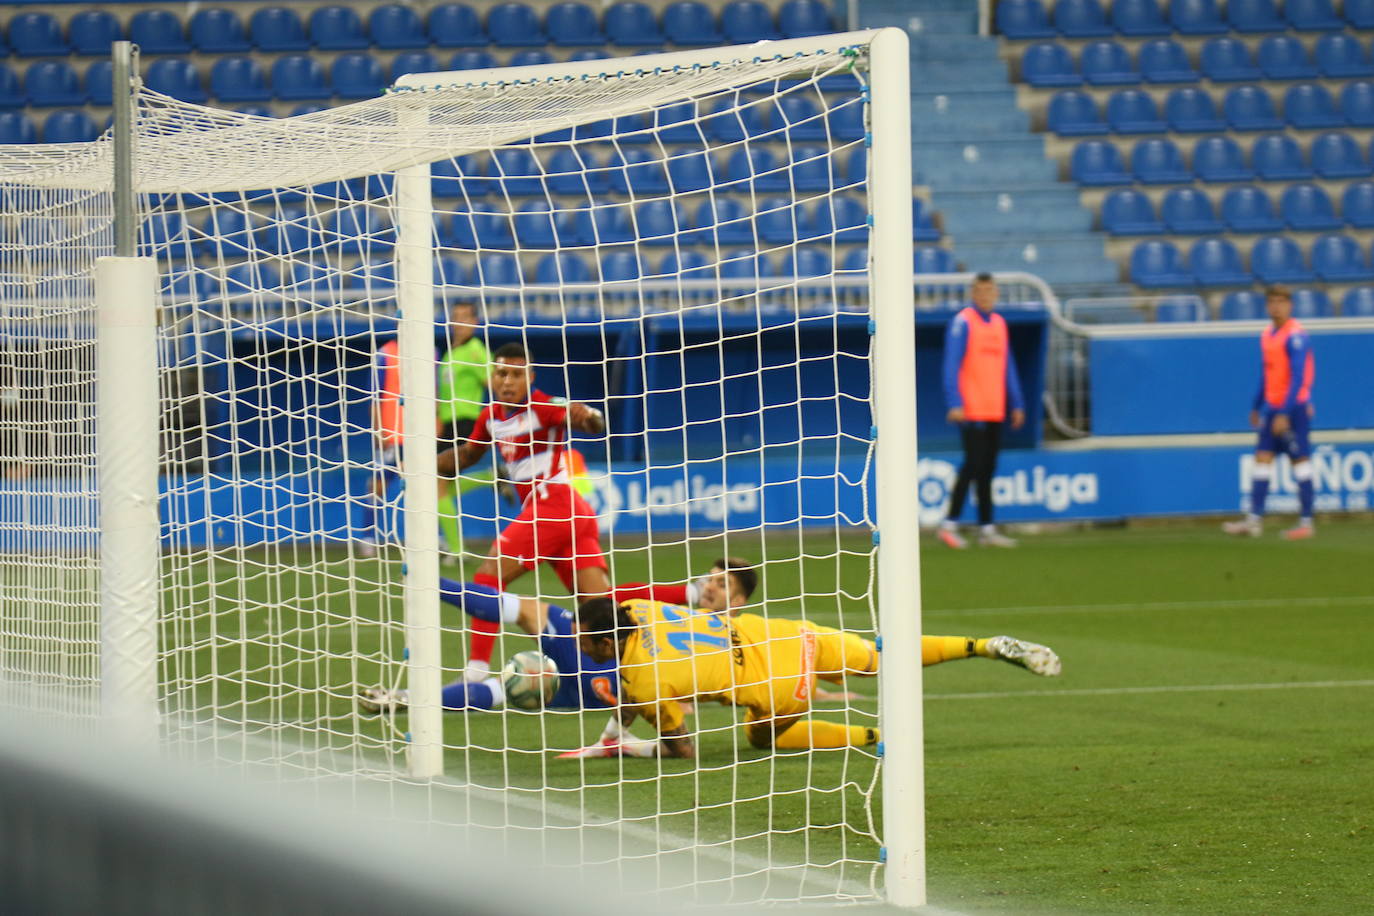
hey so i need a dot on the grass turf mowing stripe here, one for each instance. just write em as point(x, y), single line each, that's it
point(1166, 688)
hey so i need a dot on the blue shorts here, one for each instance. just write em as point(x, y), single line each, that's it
point(584, 683)
point(1296, 443)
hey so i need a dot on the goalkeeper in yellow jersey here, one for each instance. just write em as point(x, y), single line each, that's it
point(669, 654)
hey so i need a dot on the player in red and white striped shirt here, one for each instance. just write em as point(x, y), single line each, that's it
point(556, 525)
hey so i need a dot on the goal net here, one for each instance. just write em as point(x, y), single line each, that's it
point(685, 242)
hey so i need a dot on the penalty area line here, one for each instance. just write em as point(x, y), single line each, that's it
point(1171, 688)
point(1136, 606)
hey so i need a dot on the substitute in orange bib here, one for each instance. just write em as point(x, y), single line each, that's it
point(1282, 413)
point(980, 384)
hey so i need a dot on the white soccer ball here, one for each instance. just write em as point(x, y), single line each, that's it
point(530, 679)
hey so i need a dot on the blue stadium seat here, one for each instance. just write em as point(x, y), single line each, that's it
point(573, 25)
point(807, 262)
point(1311, 303)
point(1216, 262)
point(621, 266)
point(1250, 108)
point(158, 32)
point(928, 259)
point(497, 269)
point(394, 26)
point(516, 170)
point(1164, 61)
point(37, 35)
point(1131, 111)
point(637, 171)
point(1312, 15)
point(69, 126)
point(1020, 19)
point(446, 178)
point(534, 225)
point(1220, 159)
point(481, 226)
point(745, 265)
point(1338, 259)
point(1228, 60)
point(238, 79)
point(1159, 162)
point(250, 277)
point(1307, 208)
point(632, 25)
point(1074, 114)
point(1358, 302)
point(923, 228)
point(357, 229)
point(1182, 308)
point(1049, 64)
point(218, 31)
point(298, 76)
point(257, 111)
point(612, 224)
point(100, 83)
point(691, 24)
point(473, 60)
point(307, 108)
point(688, 265)
point(810, 169)
point(1357, 205)
point(1276, 259)
point(226, 230)
point(1254, 16)
point(799, 118)
point(561, 269)
point(1188, 211)
point(754, 168)
point(514, 25)
point(1342, 56)
point(1197, 17)
point(175, 77)
point(92, 31)
point(1156, 265)
point(51, 83)
point(1283, 57)
point(804, 19)
point(1243, 305)
point(780, 220)
point(531, 57)
point(357, 76)
point(412, 62)
point(588, 54)
point(1081, 19)
point(1139, 18)
point(1310, 105)
point(1337, 155)
point(16, 127)
point(1129, 212)
point(660, 222)
point(847, 123)
point(449, 271)
point(1359, 13)
point(723, 220)
point(278, 28)
point(1248, 209)
point(1106, 63)
point(11, 91)
point(747, 21)
point(1192, 111)
point(842, 217)
point(290, 230)
point(734, 119)
point(337, 28)
point(1276, 157)
point(456, 25)
point(1098, 163)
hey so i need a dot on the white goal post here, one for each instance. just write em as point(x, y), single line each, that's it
point(726, 348)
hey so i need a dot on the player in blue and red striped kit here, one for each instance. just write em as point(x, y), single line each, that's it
point(1282, 413)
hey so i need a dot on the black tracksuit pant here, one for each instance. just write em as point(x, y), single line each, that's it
point(981, 444)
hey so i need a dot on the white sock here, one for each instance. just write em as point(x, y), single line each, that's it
point(1305, 522)
point(498, 693)
point(949, 525)
point(476, 671)
point(613, 730)
point(510, 607)
point(989, 529)
point(1252, 518)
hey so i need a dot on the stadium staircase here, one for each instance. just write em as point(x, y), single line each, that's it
point(999, 196)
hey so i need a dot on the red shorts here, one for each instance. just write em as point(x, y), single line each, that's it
point(558, 528)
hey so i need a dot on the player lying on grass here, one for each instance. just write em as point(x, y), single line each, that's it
point(667, 654)
point(584, 683)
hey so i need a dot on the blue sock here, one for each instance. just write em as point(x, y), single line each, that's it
point(461, 695)
point(1259, 488)
point(1306, 495)
point(481, 601)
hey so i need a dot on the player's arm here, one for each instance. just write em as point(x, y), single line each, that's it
point(677, 743)
point(464, 456)
point(1296, 348)
point(1014, 396)
point(956, 341)
point(585, 418)
point(684, 595)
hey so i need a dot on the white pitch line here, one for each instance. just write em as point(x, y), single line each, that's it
point(1172, 688)
point(1127, 607)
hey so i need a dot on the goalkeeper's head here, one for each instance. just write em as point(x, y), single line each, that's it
point(603, 627)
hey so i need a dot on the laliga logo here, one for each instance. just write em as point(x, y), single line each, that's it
point(934, 481)
point(606, 500)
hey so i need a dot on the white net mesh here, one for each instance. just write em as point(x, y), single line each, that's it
point(682, 247)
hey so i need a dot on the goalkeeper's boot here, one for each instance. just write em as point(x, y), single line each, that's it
point(1035, 658)
point(950, 537)
point(1300, 532)
point(1248, 527)
point(991, 537)
point(624, 746)
point(377, 700)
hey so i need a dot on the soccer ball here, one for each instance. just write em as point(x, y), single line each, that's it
point(530, 679)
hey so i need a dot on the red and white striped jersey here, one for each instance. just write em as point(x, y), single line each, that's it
point(531, 440)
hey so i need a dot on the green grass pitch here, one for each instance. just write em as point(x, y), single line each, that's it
point(1208, 749)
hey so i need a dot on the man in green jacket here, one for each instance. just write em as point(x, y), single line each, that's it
point(463, 371)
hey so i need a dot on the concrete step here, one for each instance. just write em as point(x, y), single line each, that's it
point(967, 114)
point(922, 21)
point(975, 173)
point(974, 225)
point(944, 77)
point(957, 48)
point(1047, 196)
